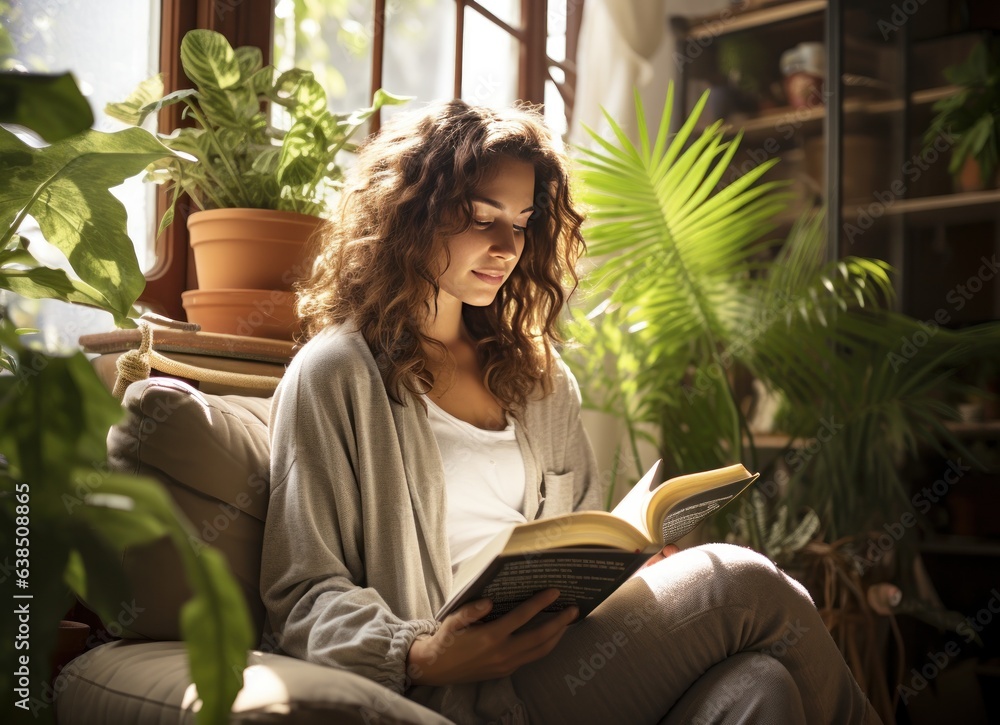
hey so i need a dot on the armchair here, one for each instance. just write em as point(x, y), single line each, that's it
point(211, 452)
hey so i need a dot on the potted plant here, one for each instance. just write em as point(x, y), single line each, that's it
point(66, 518)
point(262, 190)
point(742, 62)
point(692, 296)
point(972, 116)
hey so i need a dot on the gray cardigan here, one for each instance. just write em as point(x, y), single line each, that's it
point(355, 559)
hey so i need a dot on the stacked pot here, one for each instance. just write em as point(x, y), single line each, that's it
point(247, 261)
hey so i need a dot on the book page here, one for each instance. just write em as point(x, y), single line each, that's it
point(632, 507)
point(675, 518)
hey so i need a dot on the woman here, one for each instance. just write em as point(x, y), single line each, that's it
point(429, 409)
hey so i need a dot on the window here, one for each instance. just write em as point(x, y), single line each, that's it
point(489, 52)
point(507, 49)
point(354, 46)
point(109, 53)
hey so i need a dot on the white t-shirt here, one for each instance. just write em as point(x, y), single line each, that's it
point(484, 478)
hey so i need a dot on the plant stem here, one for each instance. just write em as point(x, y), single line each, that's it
point(742, 427)
point(218, 147)
point(632, 440)
point(229, 201)
point(614, 477)
point(16, 224)
point(756, 535)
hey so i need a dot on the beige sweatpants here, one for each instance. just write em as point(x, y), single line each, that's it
point(713, 634)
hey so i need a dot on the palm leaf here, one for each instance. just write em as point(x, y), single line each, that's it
point(681, 290)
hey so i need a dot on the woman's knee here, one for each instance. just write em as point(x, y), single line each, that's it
point(724, 575)
point(749, 571)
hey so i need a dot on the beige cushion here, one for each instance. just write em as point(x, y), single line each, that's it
point(212, 453)
point(148, 683)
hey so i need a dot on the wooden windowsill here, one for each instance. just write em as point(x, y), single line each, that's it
point(212, 344)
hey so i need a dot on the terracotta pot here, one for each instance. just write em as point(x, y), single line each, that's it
point(246, 312)
point(251, 248)
point(968, 178)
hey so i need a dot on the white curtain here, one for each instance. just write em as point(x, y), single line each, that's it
point(627, 44)
point(617, 40)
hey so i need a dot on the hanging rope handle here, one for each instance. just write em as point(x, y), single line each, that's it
point(134, 365)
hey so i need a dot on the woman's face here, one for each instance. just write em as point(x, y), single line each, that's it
point(483, 256)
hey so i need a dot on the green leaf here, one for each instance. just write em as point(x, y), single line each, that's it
point(261, 82)
point(145, 99)
point(230, 109)
point(381, 98)
point(300, 92)
point(127, 511)
point(250, 59)
point(50, 105)
point(216, 626)
point(7, 48)
point(155, 105)
point(41, 283)
point(94, 572)
point(209, 60)
point(58, 404)
point(266, 162)
point(65, 187)
point(54, 416)
point(301, 155)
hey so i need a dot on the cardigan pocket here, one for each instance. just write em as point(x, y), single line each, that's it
point(558, 493)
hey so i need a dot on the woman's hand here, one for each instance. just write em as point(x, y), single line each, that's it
point(463, 651)
point(668, 550)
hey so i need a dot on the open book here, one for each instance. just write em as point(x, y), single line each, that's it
point(586, 555)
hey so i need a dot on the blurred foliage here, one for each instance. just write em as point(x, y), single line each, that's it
point(66, 517)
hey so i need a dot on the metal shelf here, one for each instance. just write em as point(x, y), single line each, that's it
point(973, 429)
point(716, 25)
point(797, 118)
point(948, 208)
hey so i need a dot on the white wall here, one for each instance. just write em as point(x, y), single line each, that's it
point(626, 44)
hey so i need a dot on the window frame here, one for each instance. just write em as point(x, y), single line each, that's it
point(243, 22)
point(251, 22)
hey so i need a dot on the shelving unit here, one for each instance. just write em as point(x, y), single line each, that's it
point(851, 154)
point(836, 152)
point(859, 141)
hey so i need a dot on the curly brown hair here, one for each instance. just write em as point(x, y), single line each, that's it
point(409, 190)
